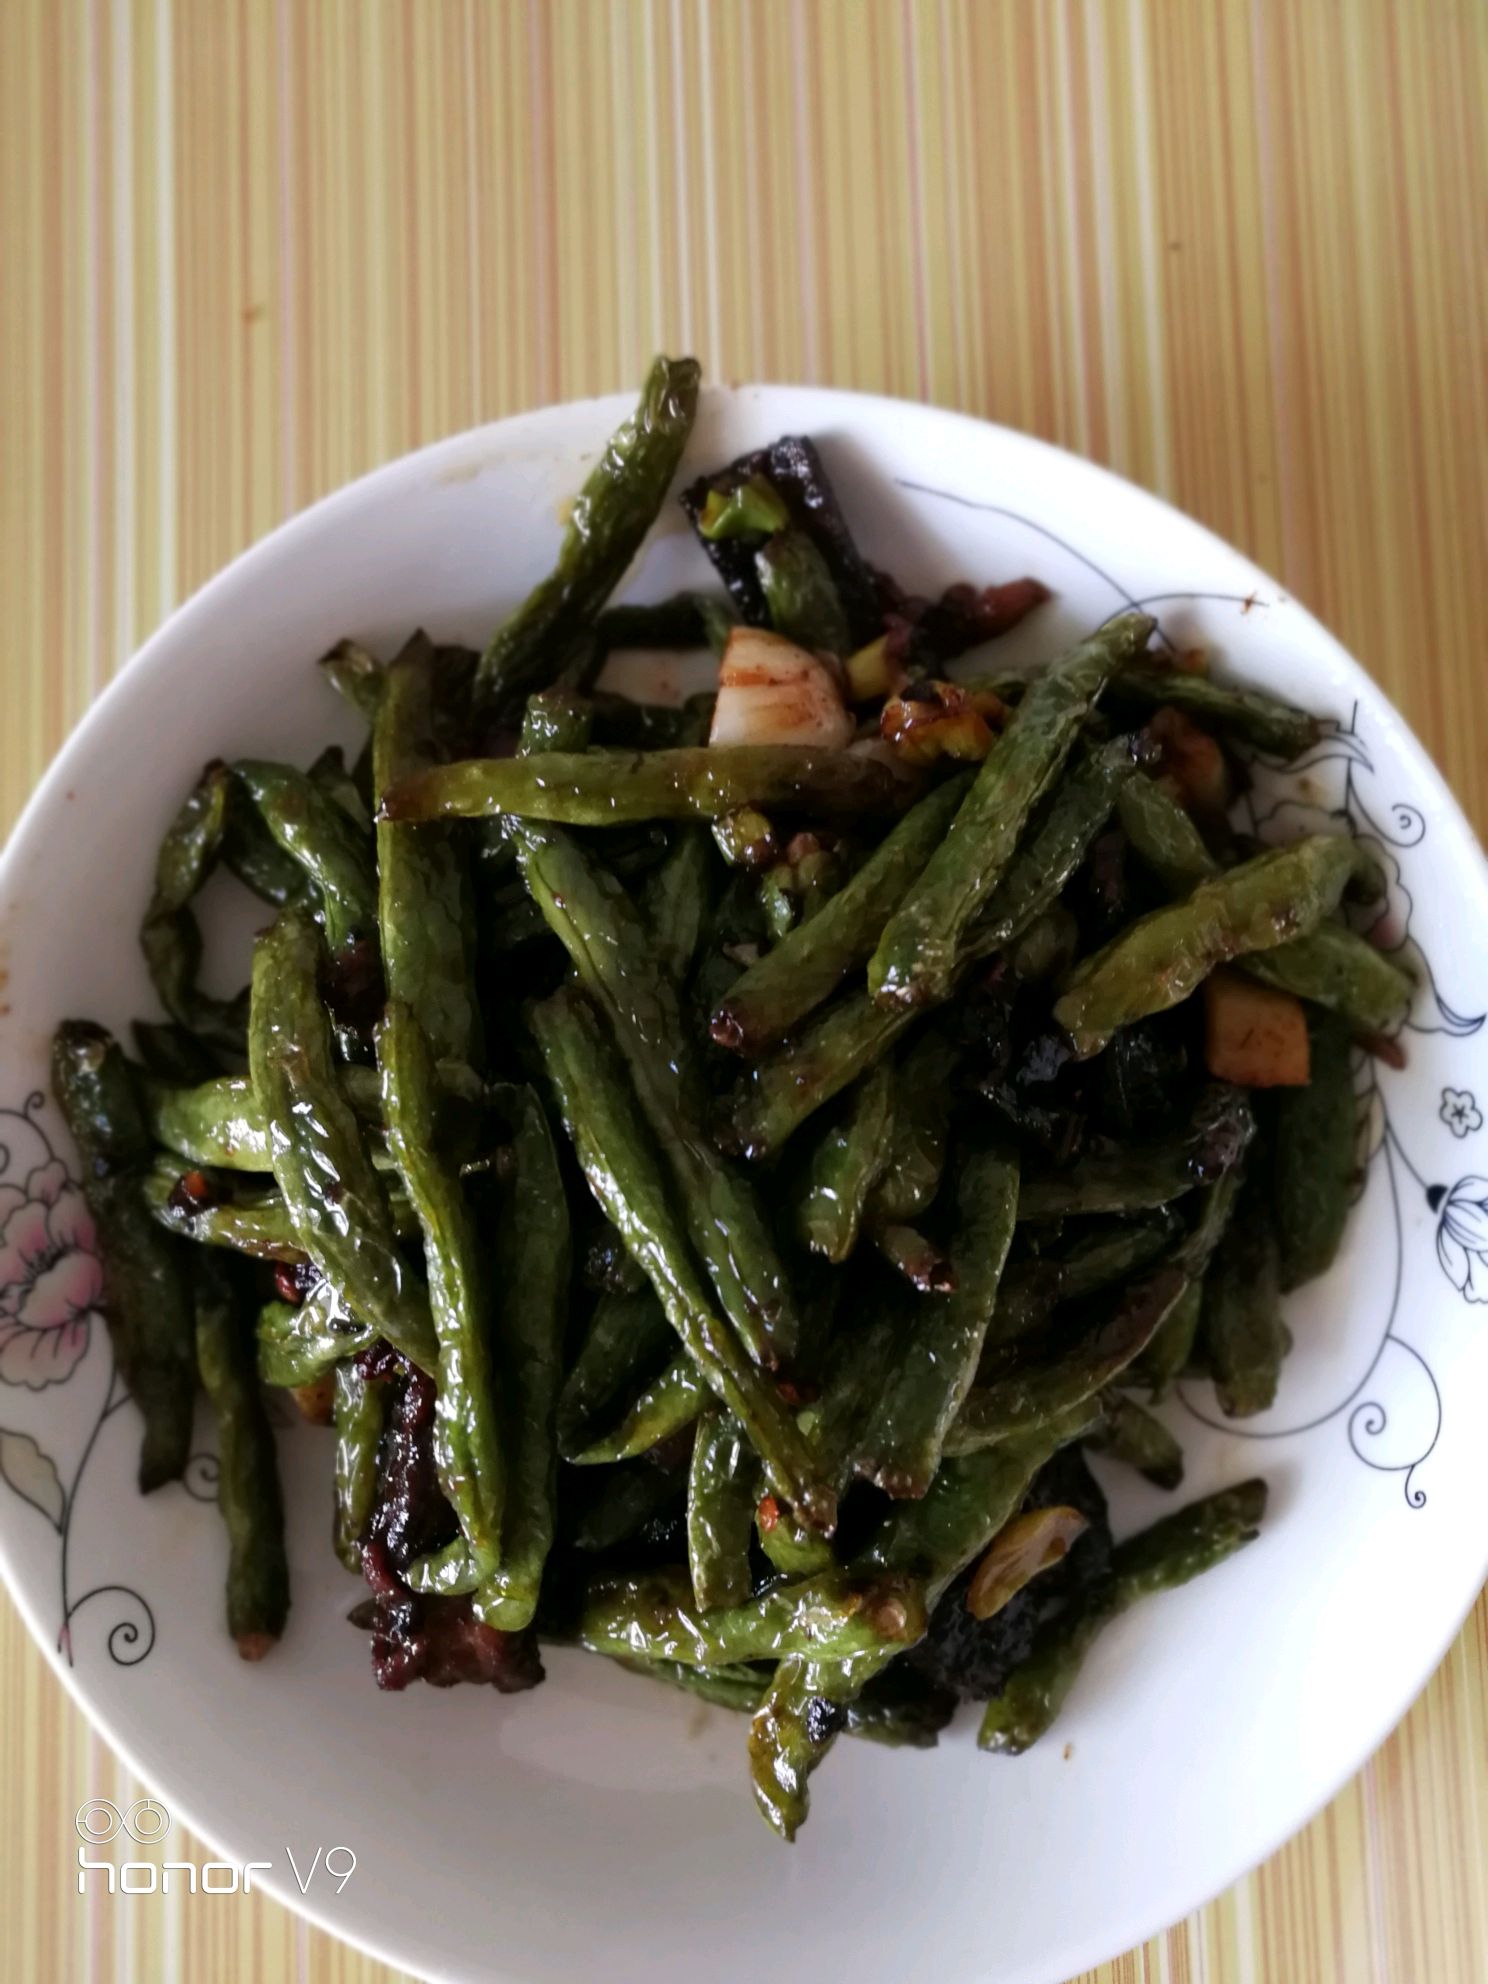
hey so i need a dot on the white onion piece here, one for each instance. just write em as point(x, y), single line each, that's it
point(772, 692)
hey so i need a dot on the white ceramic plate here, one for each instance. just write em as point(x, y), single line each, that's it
point(600, 1826)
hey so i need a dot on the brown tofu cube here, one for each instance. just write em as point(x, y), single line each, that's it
point(1254, 1036)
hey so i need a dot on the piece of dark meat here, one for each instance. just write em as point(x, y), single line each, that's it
point(414, 1638)
point(793, 467)
point(973, 1657)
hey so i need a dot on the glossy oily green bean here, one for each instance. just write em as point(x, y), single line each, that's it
point(358, 1417)
point(663, 1406)
point(1147, 1176)
point(624, 1173)
point(919, 1123)
point(1241, 1332)
point(617, 788)
point(1137, 1439)
point(259, 1226)
point(628, 1339)
point(807, 966)
point(722, 1489)
point(842, 1167)
point(1028, 1398)
point(425, 913)
point(801, 594)
point(836, 1615)
point(530, 1269)
point(468, 1450)
point(299, 1342)
point(248, 1491)
point(318, 1150)
point(610, 516)
point(937, 1343)
point(613, 953)
point(355, 674)
point(145, 1293)
point(170, 935)
point(1248, 716)
point(919, 950)
point(311, 828)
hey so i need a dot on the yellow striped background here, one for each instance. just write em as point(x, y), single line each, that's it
point(1237, 250)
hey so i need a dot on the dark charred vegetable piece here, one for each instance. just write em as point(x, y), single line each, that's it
point(611, 515)
point(920, 1120)
point(299, 1342)
point(589, 912)
point(146, 1297)
point(1150, 1175)
point(1161, 1558)
point(835, 1616)
point(624, 1173)
point(248, 1492)
point(423, 885)
point(310, 827)
point(1241, 1332)
point(722, 1488)
point(356, 675)
point(809, 964)
point(841, 1169)
point(530, 1266)
point(800, 595)
point(1246, 715)
point(934, 1539)
point(1028, 1398)
point(793, 470)
point(468, 1449)
point(1137, 1439)
point(1314, 1156)
point(920, 948)
point(1164, 956)
point(628, 1338)
point(617, 788)
point(170, 935)
point(319, 1153)
point(937, 1344)
point(359, 1422)
point(665, 1405)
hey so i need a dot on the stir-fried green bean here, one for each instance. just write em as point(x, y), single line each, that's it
point(146, 1292)
point(248, 1492)
point(359, 1419)
point(336, 1202)
point(612, 513)
point(170, 935)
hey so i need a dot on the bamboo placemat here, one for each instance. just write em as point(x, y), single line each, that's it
point(1236, 250)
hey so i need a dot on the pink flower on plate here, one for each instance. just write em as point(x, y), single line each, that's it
point(51, 1280)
